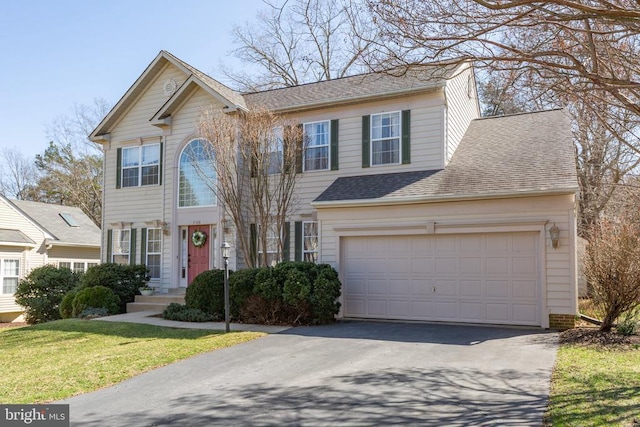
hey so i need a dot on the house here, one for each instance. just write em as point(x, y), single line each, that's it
point(427, 211)
point(34, 234)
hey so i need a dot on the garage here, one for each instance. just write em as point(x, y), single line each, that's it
point(475, 278)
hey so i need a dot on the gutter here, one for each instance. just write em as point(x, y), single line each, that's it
point(51, 243)
point(438, 198)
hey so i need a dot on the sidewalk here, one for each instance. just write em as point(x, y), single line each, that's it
point(147, 318)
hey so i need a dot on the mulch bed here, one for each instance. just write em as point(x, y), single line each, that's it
point(592, 337)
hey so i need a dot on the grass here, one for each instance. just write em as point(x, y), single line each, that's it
point(56, 360)
point(595, 385)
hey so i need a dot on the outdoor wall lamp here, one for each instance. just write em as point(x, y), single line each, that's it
point(225, 254)
point(554, 234)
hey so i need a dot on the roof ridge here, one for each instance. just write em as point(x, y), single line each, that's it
point(520, 114)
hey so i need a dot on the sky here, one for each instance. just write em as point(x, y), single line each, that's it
point(55, 54)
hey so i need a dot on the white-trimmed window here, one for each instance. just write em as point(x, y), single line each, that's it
point(271, 247)
point(9, 272)
point(316, 151)
point(276, 147)
point(197, 175)
point(154, 252)
point(310, 241)
point(121, 245)
point(76, 266)
point(141, 165)
point(385, 138)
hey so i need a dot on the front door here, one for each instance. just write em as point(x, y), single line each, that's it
point(198, 256)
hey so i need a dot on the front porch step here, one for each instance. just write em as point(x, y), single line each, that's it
point(153, 302)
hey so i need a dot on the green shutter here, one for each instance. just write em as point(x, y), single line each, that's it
point(366, 141)
point(286, 256)
point(406, 137)
point(160, 167)
point(119, 168)
point(253, 246)
point(109, 245)
point(143, 246)
point(132, 247)
point(334, 145)
point(297, 236)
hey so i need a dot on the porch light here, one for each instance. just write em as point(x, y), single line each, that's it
point(554, 234)
point(225, 254)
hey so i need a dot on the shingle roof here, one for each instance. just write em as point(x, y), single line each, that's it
point(14, 236)
point(500, 156)
point(48, 217)
point(351, 89)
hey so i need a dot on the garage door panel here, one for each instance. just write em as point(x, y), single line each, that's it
point(480, 278)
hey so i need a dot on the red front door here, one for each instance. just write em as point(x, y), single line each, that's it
point(198, 258)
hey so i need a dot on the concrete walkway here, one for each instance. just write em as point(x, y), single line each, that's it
point(150, 318)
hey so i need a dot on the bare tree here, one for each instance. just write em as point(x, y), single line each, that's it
point(256, 156)
point(593, 46)
point(72, 129)
point(17, 174)
point(299, 41)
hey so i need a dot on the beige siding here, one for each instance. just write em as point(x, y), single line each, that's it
point(519, 214)
point(462, 107)
point(70, 254)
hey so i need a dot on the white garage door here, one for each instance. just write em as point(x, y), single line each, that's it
point(478, 278)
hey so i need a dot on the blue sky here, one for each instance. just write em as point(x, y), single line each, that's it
point(55, 54)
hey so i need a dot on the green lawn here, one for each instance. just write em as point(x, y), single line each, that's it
point(595, 386)
point(60, 359)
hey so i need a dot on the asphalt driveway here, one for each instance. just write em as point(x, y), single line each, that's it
point(351, 373)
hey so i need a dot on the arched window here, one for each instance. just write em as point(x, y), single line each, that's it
point(197, 175)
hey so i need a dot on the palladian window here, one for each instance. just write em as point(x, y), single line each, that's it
point(197, 175)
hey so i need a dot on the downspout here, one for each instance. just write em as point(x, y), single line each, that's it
point(102, 219)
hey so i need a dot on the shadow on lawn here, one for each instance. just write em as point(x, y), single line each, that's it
point(438, 397)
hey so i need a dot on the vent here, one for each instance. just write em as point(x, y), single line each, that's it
point(170, 87)
point(69, 220)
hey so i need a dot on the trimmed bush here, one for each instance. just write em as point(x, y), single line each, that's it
point(96, 297)
point(123, 280)
point(241, 284)
point(292, 293)
point(182, 313)
point(206, 293)
point(42, 291)
point(66, 306)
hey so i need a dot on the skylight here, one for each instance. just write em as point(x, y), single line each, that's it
point(70, 220)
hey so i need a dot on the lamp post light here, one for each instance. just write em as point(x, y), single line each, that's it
point(225, 255)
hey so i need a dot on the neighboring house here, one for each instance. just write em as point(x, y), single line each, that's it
point(427, 211)
point(34, 234)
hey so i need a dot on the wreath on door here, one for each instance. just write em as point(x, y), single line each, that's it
point(199, 238)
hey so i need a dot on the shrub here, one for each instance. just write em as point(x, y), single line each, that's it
point(96, 297)
point(629, 324)
point(293, 293)
point(66, 306)
point(612, 268)
point(183, 313)
point(93, 312)
point(42, 291)
point(241, 284)
point(123, 280)
point(206, 293)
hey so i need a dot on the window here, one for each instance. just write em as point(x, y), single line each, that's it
point(9, 271)
point(76, 266)
point(310, 241)
point(141, 165)
point(272, 246)
point(154, 252)
point(121, 246)
point(275, 152)
point(316, 153)
point(79, 267)
point(385, 138)
point(64, 265)
point(197, 175)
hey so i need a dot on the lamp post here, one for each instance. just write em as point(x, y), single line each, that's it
point(225, 254)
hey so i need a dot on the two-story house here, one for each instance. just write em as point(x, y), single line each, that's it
point(427, 211)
